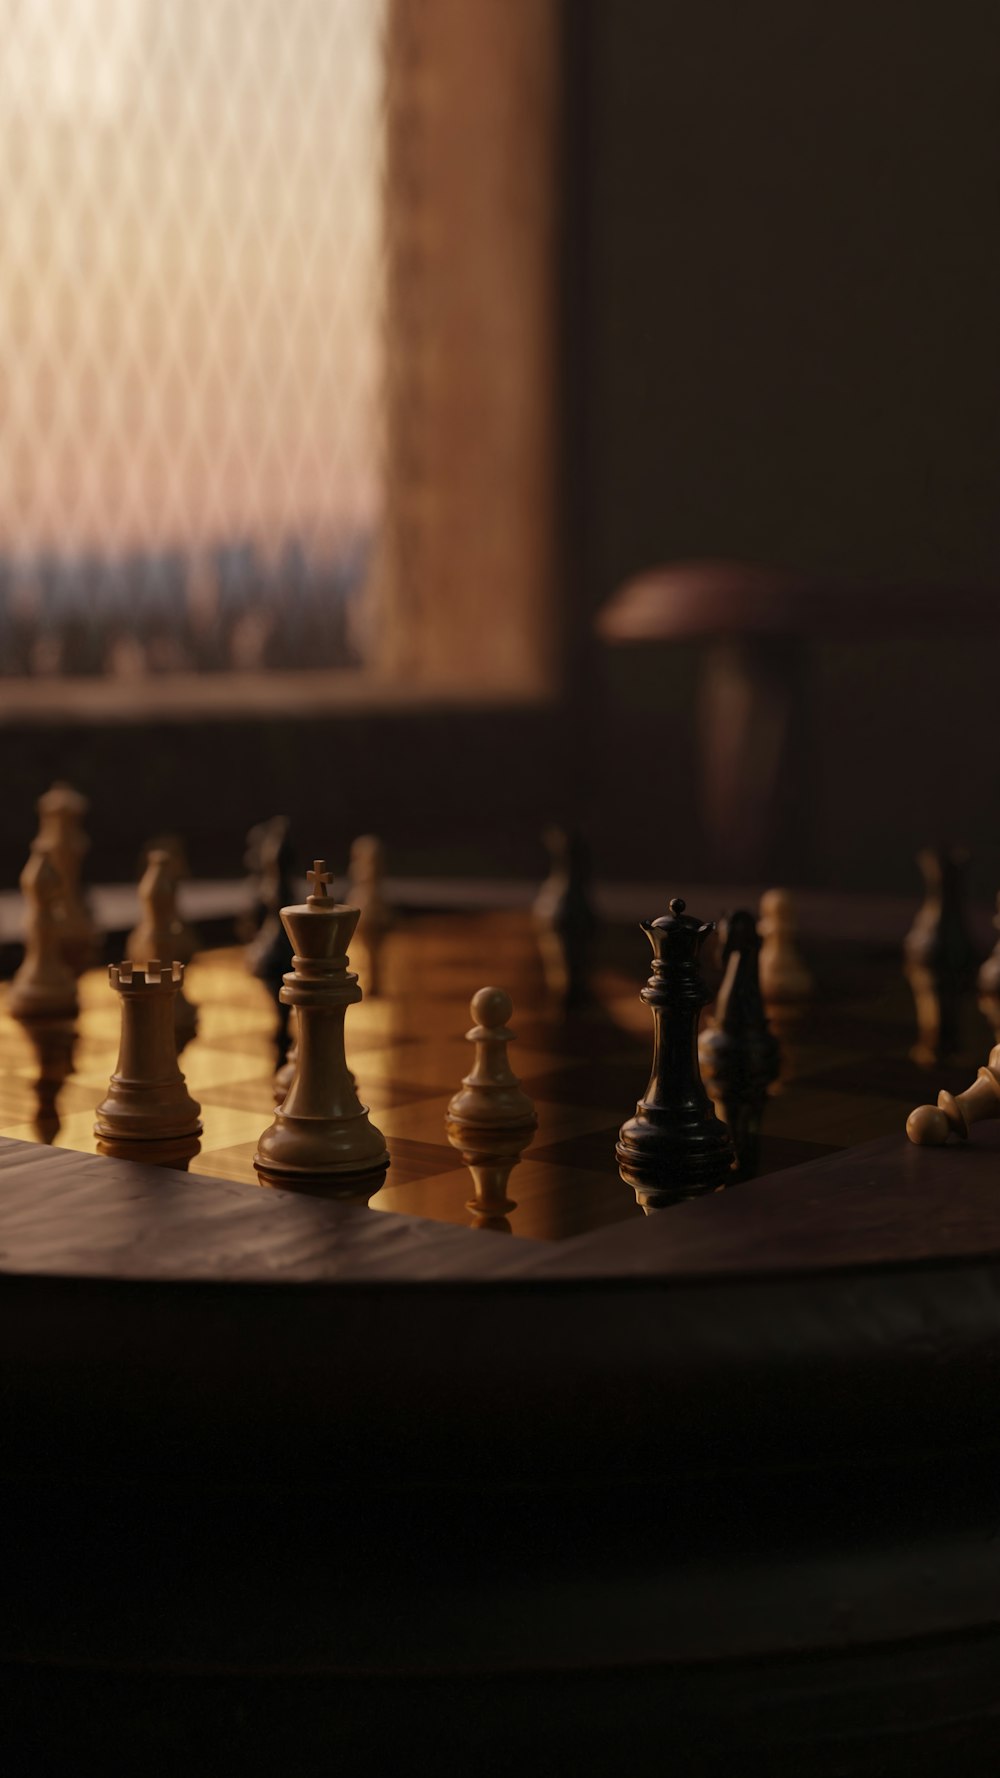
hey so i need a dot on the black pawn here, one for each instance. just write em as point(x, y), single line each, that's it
point(940, 956)
point(675, 1147)
point(269, 955)
point(565, 919)
point(988, 979)
point(739, 1051)
point(988, 983)
point(259, 843)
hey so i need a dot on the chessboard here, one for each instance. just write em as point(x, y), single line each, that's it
point(291, 1476)
point(847, 1074)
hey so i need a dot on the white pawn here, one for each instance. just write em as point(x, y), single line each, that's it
point(783, 974)
point(491, 1096)
point(365, 878)
point(930, 1126)
point(45, 984)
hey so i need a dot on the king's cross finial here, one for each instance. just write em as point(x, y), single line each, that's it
point(319, 877)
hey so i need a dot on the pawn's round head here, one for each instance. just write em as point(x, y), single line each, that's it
point(928, 1126)
point(775, 903)
point(491, 1007)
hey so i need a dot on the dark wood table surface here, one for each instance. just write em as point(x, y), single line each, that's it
point(293, 1479)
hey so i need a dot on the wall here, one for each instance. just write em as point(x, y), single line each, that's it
point(780, 342)
point(792, 348)
point(452, 792)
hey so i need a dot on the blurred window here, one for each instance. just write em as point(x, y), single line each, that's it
point(278, 351)
point(191, 306)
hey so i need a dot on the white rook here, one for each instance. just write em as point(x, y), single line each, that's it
point(148, 1114)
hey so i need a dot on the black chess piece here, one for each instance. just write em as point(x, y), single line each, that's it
point(940, 957)
point(988, 979)
point(675, 1147)
point(739, 1052)
point(269, 954)
point(250, 922)
point(988, 982)
point(565, 919)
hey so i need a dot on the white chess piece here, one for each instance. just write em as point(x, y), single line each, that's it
point(783, 974)
point(161, 933)
point(45, 984)
point(148, 1113)
point(491, 1095)
point(365, 890)
point(491, 1120)
point(929, 1126)
point(60, 833)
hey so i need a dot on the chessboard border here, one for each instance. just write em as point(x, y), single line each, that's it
point(835, 1305)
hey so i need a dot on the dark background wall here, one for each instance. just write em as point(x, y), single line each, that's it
point(795, 281)
point(781, 319)
point(463, 793)
point(793, 356)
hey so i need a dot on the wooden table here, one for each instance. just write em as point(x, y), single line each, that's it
point(293, 1483)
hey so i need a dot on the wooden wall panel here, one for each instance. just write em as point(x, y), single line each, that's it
point(469, 594)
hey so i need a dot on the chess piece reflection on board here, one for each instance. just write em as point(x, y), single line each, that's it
point(739, 1053)
point(675, 1147)
point(60, 833)
point(269, 953)
point(940, 957)
point(366, 891)
point(930, 1126)
point(321, 1137)
point(148, 1114)
point(161, 933)
point(564, 919)
point(491, 1119)
point(54, 1044)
